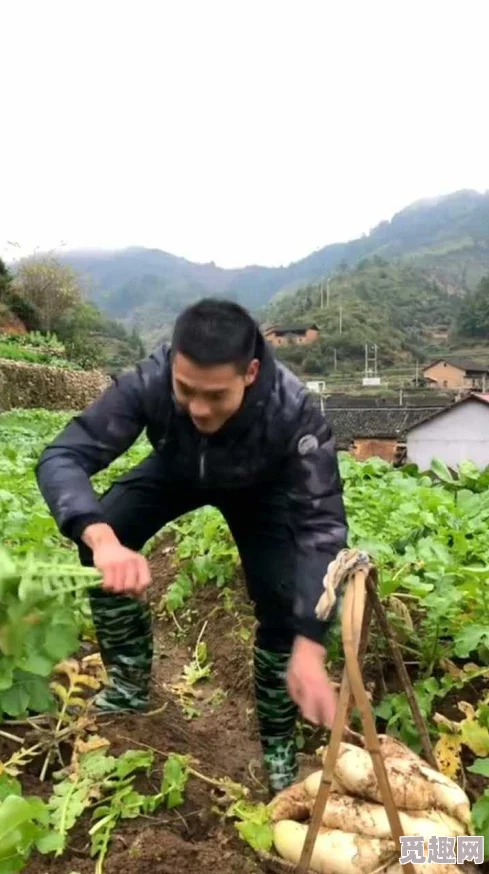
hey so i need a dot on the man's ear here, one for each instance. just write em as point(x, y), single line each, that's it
point(252, 372)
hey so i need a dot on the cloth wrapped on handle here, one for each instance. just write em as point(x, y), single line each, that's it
point(339, 572)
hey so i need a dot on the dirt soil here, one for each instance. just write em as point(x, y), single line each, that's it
point(223, 739)
point(194, 838)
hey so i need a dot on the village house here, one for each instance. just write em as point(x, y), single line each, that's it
point(456, 434)
point(457, 374)
point(292, 334)
point(376, 426)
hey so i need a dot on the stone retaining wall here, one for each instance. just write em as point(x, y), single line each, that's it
point(28, 386)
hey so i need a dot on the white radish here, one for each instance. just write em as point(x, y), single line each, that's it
point(449, 796)
point(291, 803)
point(414, 786)
point(425, 868)
point(370, 818)
point(335, 851)
point(391, 747)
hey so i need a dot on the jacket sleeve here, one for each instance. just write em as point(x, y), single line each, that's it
point(88, 444)
point(319, 519)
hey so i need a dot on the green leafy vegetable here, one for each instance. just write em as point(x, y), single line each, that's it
point(255, 825)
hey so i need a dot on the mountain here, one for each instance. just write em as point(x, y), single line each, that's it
point(148, 287)
point(447, 238)
point(389, 304)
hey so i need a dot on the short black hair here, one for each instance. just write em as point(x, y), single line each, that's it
point(216, 331)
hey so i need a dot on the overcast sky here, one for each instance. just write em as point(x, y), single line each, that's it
point(239, 132)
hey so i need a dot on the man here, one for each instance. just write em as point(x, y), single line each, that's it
point(229, 427)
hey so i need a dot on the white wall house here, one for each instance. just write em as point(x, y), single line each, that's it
point(459, 433)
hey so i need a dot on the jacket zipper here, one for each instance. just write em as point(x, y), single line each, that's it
point(202, 460)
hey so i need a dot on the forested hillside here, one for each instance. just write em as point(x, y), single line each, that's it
point(392, 305)
point(473, 317)
point(447, 237)
point(45, 318)
point(407, 314)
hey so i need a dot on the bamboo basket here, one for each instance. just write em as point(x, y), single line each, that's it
point(360, 602)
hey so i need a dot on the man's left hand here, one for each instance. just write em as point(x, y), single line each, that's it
point(308, 683)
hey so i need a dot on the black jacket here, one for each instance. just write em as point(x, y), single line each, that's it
point(278, 436)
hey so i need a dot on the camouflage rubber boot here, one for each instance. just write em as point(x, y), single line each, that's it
point(277, 717)
point(124, 632)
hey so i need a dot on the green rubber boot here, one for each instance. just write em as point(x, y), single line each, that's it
point(277, 718)
point(124, 632)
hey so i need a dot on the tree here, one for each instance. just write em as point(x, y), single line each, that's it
point(136, 343)
point(20, 307)
point(51, 287)
point(5, 278)
point(473, 317)
point(76, 327)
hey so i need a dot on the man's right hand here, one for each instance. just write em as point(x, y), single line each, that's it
point(124, 571)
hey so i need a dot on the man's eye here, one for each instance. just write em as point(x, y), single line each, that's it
point(184, 389)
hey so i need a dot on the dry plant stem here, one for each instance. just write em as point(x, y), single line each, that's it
point(48, 758)
point(401, 671)
point(175, 620)
point(22, 757)
point(7, 736)
point(211, 781)
point(141, 715)
point(196, 648)
point(42, 746)
point(155, 822)
point(371, 737)
point(32, 720)
point(58, 731)
point(47, 762)
point(157, 711)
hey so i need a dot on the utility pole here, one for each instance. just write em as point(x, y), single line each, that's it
point(416, 379)
point(322, 295)
point(327, 292)
point(371, 358)
point(335, 359)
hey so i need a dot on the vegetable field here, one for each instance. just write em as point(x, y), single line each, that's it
point(181, 788)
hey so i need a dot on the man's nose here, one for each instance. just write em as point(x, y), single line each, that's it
point(199, 409)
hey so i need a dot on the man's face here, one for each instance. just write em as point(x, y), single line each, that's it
point(210, 395)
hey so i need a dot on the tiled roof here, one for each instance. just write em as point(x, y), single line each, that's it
point(388, 424)
point(474, 396)
point(462, 363)
point(428, 398)
point(373, 422)
point(290, 329)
